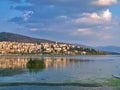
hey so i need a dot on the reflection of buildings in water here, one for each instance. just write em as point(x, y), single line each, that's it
point(62, 62)
point(56, 62)
point(13, 66)
point(21, 63)
point(13, 63)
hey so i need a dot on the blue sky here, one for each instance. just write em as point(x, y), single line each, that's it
point(89, 22)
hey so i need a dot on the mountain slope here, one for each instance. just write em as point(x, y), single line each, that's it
point(109, 48)
point(5, 36)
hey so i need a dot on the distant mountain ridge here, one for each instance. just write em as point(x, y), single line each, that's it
point(109, 48)
point(6, 36)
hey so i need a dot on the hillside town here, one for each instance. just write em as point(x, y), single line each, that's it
point(44, 48)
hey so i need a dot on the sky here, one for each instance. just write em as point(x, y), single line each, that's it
point(88, 22)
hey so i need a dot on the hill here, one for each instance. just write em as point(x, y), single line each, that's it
point(5, 36)
point(109, 49)
point(58, 48)
point(115, 49)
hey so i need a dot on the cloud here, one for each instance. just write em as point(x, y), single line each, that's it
point(23, 19)
point(62, 7)
point(66, 3)
point(89, 32)
point(84, 31)
point(104, 2)
point(63, 17)
point(16, 1)
point(23, 8)
point(71, 20)
point(107, 15)
point(107, 37)
point(95, 18)
point(27, 15)
point(47, 10)
point(34, 29)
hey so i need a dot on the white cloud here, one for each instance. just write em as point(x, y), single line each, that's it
point(63, 17)
point(34, 29)
point(90, 32)
point(85, 31)
point(107, 15)
point(107, 37)
point(104, 2)
point(95, 18)
point(27, 15)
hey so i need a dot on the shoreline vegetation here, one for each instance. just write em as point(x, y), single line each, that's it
point(20, 48)
point(51, 84)
point(109, 82)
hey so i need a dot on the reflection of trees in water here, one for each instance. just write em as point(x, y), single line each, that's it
point(13, 66)
point(35, 65)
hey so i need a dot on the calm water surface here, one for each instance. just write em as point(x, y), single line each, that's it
point(59, 69)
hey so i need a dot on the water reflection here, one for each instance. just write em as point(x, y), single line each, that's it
point(13, 63)
point(16, 65)
point(57, 69)
point(12, 66)
point(35, 65)
point(62, 62)
point(56, 62)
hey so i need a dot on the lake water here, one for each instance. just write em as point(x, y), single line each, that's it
point(60, 72)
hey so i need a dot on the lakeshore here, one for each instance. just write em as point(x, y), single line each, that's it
point(63, 72)
point(46, 49)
